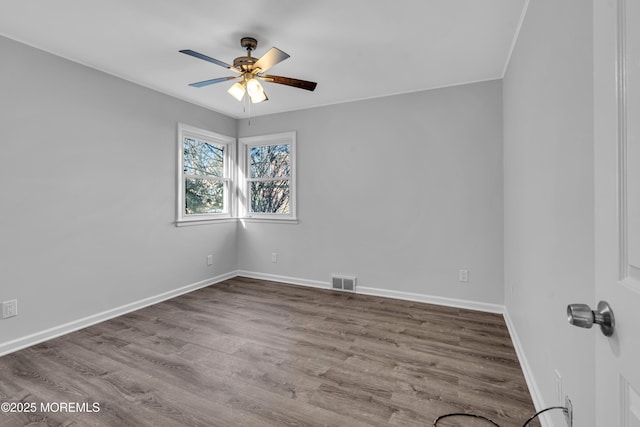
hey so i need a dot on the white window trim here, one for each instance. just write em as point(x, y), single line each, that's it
point(185, 130)
point(245, 145)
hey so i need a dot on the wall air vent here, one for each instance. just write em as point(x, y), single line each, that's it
point(343, 283)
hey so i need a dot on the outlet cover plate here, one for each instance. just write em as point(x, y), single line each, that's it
point(9, 308)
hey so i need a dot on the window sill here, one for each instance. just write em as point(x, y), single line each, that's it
point(269, 220)
point(189, 222)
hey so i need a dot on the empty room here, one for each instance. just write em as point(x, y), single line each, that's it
point(320, 213)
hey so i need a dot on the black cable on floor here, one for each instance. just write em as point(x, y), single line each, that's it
point(463, 415)
point(540, 412)
point(460, 414)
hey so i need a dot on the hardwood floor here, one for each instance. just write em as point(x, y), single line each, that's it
point(255, 353)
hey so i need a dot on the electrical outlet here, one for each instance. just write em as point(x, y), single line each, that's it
point(274, 257)
point(9, 308)
point(463, 276)
point(568, 411)
point(209, 259)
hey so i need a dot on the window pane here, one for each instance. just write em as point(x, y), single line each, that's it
point(203, 158)
point(270, 197)
point(204, 196)
point(270, 161)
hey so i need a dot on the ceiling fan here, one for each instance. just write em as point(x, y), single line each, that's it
point(251, 71)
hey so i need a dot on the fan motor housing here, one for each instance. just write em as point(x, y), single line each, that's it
point(245, 63)
point(249, 43)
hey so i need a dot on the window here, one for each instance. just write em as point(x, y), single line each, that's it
point(268, 168)
point(205, 165)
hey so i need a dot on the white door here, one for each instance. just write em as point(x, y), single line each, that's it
point(617, 207)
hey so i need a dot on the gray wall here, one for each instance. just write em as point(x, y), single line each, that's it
point(400, 191)
point(548, 176)
point(88, 192)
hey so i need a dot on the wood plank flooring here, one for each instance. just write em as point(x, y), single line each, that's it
point(247, 352)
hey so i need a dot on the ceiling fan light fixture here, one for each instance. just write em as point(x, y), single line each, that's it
point(255, 91)
point(254, 87)
point(238, 90)
point(258, 97)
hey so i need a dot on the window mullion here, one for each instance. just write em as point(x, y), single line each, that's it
point(268, 179)
point(206, 177)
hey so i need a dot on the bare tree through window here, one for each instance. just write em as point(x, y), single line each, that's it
point(270, 173)
point(203, 167)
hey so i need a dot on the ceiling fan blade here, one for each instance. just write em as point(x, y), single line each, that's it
point(300, 84)
point(212, 81)
point(269, 59)
point(209, 59)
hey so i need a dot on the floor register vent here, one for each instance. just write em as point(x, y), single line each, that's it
point(343, 283)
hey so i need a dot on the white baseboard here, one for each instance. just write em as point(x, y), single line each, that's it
point(536, 395)
point(284, 279)
point(430, 299)
point(56, 331)
point(449, 302)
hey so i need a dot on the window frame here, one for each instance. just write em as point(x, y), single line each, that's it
point(245, 144)
point(229, 173)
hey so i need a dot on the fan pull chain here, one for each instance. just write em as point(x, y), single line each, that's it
point(249, 104)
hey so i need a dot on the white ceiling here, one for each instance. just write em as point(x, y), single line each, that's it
point(354, 49)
